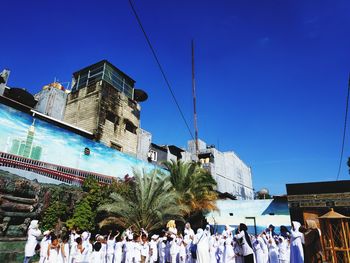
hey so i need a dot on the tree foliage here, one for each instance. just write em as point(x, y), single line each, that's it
point(194, 184)
point(152, 204)
point(83, 217)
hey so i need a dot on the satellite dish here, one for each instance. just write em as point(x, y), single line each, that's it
point(140, 95)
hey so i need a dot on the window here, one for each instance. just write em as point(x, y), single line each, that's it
point(116, 146)
point(74, 95)
point(110, 116)
point(91, 88)
point(129, 126)
point(152, 156)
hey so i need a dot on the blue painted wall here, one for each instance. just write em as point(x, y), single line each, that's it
point(24, 135)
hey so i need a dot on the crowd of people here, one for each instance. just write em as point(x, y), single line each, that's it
point(300, 244)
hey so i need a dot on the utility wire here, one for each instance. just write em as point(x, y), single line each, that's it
point(160, 67)
point(344, 133)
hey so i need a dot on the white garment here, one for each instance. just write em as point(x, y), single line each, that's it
point(53, 258)
point(96, 257)
point(137, 252)
point(229, 255)
point(33, 234)
point(273, 251)
point(153, 251)
point(110, 250)
point(161, 250)
point(246, 249)
point(258, 250)
point(283, 251)
point(182, 254)
point(296, 247)
point(44, 244)
point(202, 241)
point(64, 259)
point(118, 252)
point(213, 248)
point(129, 251)
point(174, 251)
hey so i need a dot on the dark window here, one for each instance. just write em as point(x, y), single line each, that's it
point(231, 214)
point(91, 88)
point(129, 126)
point(116, 146)
point(74, 95)
point(110, 116)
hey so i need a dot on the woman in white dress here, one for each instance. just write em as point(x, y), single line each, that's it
point(202, 241)
point(296, 246)
point(33, 233)
point(53, 250)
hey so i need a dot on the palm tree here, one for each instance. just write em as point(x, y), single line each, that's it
point(194, 184)
point(153, 203)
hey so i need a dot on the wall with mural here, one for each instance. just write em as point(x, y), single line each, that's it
point(27, 136)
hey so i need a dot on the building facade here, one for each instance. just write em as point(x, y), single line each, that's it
point(52, 100)
point(104, 101)
point(232, 175)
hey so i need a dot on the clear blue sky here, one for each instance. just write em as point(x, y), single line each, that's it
point(271, 75)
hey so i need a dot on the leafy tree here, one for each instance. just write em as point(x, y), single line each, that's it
point(194, 184)
point(56, 211)
point(150, 207)
point(83, 217)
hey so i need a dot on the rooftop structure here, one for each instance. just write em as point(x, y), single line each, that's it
point(104, 101)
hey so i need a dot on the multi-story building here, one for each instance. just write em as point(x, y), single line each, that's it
point(52, 100)
point(232, 175)
point(104, 102)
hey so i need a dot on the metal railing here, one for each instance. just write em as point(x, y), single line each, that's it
point(61, 173)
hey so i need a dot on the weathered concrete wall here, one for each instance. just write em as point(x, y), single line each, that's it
point(105, 112)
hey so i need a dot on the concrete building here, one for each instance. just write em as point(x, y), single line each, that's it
point(52, 100)
point(104, 101)
point(232, 175)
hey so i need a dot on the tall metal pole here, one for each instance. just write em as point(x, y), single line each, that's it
point(194, 102)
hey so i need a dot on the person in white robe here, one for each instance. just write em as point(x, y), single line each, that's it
point(53, 250)
point(273, 251)
point(110, 246)
point(44, 244)
point(64, 250)
point(213, 248)
point(129, 249)
point(188, 231)
point(118, 251)
point(96, 256)
point(153, 247)
point(162, 249)
point(85, 236)
point(202, 241)
point(296, 247)
point(283, 251)
point(258, 250)
point(33, 234)
point(229, 255)
point(173, 249)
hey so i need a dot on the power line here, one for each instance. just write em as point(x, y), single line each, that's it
point(160, 67)
point(344, 133)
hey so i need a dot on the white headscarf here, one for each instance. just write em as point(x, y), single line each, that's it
point(34, 224)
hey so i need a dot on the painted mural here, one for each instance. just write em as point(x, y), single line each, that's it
point(256, 214)
point(23, 135)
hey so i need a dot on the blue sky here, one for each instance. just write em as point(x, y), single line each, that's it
point(271, 75)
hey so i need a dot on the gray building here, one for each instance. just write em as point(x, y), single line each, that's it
point(232, 175)
point(52, 100)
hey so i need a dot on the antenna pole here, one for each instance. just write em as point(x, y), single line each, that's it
point(194, 101)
